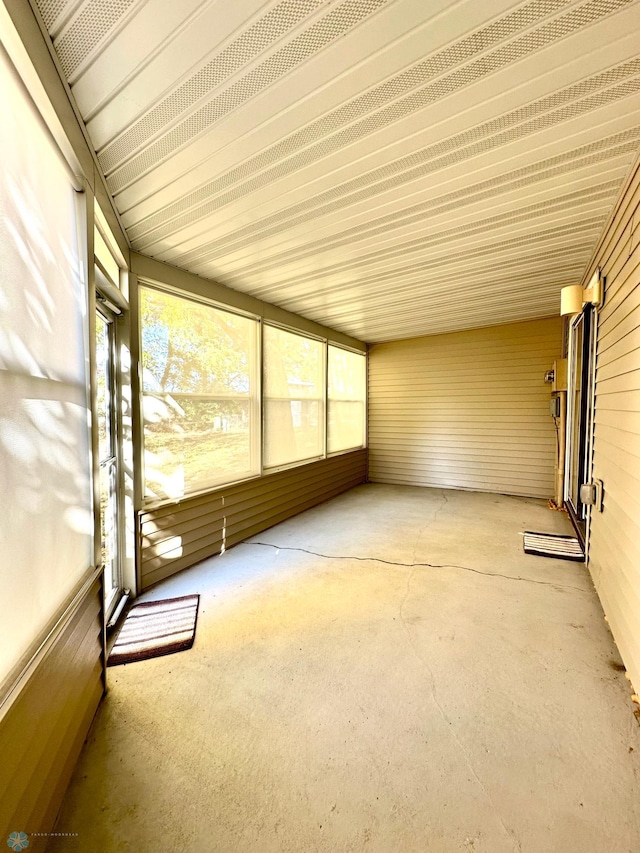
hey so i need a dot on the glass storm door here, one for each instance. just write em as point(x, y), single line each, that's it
point(107, 452)
point(579, 412)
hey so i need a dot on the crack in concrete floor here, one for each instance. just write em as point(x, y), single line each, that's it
point(510, 834)
point(428, 524)
point(418, 565)
point(413, 566)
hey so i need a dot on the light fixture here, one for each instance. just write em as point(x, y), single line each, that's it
point(573, 297)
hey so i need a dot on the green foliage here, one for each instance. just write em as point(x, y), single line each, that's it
point(190, 347)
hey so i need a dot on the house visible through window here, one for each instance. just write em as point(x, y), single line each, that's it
point(200, 395)
point(347, 391)
point(294, 393)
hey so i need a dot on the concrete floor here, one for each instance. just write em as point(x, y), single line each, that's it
point(342, 703)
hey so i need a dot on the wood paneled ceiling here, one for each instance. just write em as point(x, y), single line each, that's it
point(389, 168)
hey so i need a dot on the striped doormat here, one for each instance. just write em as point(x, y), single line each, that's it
point(155, 628)
point(553, 545)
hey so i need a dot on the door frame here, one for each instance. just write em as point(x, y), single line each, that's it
point(582, 444)
point(110, 317)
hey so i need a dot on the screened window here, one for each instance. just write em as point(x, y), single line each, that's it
point(46, 499)
point(200, 395)
point(293, 397)
point(347, 391)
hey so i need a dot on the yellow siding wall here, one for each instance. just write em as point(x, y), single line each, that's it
point(614, 556)
point(466, 410)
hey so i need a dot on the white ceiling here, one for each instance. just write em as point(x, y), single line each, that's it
point(389, 168)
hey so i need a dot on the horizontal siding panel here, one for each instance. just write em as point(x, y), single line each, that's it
point(148, 520)
point(615, 456)
point(64, 748)
point(176, 536)
point(212, 542)
point(220, 530)
point(453, 349)
point(628, 423)
point(519, 489)
point(621, 279)
point(20, 751)
point(619, 269)
point(618, 235)
point(484, 409)
point(623, 365)
point(492, 447)
point(622, 345)
point(155, 534)
point(463, 457)
point(284, 499)
point(618, 489)
point(258, 523)
point(183, 542)
point(475, 400)
point(500, 346)
point(263, 514)
point(466, 410)
point(44, 728)
point(621, 439)
point(179, 505)
point(614, 549)
point(621, 499)
point(484, 472)
point(159, 570)
point(622, 319)
point(444, 468)
point(624, 620)
point(235, 504)
point(442, 382)
point(622, 382)
point(476, 432)
point(446, 357)
point(626, 401)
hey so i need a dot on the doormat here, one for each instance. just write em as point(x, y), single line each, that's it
point(553, 545)
point(155, 628)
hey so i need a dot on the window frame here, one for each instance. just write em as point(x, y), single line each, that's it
point(254, 399)
point(257, 399)
point(273, 469)
point(365, 434)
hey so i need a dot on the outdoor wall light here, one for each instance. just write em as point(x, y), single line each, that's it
point(573, 297)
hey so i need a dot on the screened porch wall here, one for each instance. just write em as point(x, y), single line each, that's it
point(175, 534)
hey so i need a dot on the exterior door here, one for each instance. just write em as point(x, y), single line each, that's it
point(579, 414)
point(108, 456)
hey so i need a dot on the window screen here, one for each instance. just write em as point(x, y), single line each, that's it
point(294, 383)
point(46, 500)
point(200, 403)
point(347, 391)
